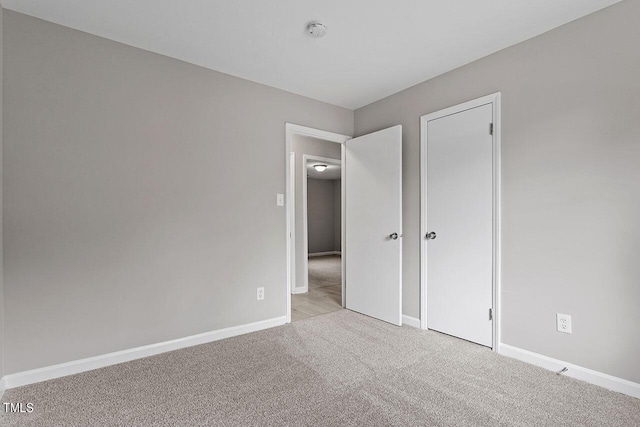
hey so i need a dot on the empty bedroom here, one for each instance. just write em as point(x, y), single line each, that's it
point(336, 213)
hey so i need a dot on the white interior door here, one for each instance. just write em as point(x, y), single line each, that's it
point(460, 222)
point(373, 224)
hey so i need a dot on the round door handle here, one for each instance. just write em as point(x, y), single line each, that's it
point(393, 236)
point(431, 235)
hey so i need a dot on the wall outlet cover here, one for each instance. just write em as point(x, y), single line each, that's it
point(563, 323)
point(260, 294)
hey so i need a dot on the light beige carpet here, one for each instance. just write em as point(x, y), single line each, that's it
point(340, 369)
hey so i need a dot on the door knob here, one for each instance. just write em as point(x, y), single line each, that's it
point(393, 236)
point(431, 235)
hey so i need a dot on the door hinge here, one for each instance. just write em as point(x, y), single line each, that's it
point(491, 314)
point(490, 128)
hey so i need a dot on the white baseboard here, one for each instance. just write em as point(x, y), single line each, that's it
point(301, 290)
point(88, 364)
point(2, 386)
point(411, 321)
point(574, 371)
point(325, 253)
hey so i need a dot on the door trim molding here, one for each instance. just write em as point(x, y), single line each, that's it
point(305, 218)
point(494, 100)
point(290, 130)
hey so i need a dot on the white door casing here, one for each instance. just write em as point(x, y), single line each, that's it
point(291, 197)
point(373, 213)
point(460, 191)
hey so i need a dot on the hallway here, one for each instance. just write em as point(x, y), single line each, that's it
point(325, 289)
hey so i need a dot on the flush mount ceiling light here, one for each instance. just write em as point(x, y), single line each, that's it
point(320, 168)
point(317, 29)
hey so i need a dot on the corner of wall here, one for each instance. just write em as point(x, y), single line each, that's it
point(1, 221)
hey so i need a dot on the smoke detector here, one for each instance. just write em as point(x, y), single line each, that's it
point(317, 29)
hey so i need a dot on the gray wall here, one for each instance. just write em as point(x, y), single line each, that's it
point(132, 210)
point(2, 315)
point(321, 215)
point(570, 190)
point(302, 145)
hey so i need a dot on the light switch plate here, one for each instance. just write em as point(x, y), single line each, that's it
point(280, 199)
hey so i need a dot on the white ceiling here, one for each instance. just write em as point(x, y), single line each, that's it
point(373, 48)
point(333, 170)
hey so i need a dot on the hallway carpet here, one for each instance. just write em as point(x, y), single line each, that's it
point(339, 369)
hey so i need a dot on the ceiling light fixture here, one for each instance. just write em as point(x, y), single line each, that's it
point(320, 168)
point(317, 29)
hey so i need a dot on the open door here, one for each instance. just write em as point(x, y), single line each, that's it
point(373, 223)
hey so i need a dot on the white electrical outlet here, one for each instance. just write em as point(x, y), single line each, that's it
point(563, 323)
point(260, 294)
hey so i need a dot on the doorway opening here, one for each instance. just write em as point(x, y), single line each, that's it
point(321, 255)
point(371, 218)
point(315, 222)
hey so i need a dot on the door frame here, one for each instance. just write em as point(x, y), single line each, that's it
point(494, 100)
point(305, 217)
point(291, 130)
